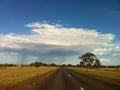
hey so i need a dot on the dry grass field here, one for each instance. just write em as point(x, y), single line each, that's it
point(30, 78)
point(111, 74)
point(12, 76)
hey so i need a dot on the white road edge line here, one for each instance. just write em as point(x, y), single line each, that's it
point(81, 88)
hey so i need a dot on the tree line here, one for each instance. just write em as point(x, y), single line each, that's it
point(87, 60)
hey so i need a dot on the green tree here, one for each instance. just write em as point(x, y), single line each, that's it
point(97, 63)
point(37, 64)
point(88, 60)
point(53, 64)
point(81, 63)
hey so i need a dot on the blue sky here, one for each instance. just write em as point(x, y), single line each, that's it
point(25, 20)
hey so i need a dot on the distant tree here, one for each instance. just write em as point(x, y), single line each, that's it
point(97, 63)
point(53, 64)
point(88, 60)
point(37, 64)
point(81, 63)
point(70, 65)
point(63, 65)
point(32, 64)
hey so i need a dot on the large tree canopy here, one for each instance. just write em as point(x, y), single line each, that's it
point(89, 59)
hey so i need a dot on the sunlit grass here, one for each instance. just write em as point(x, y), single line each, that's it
point(11, 76)
point(104, 73)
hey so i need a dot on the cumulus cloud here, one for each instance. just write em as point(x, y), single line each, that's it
point(58, 35)
point(105, 61)
point(51, 41)
point(111, 50)
point(109, 53)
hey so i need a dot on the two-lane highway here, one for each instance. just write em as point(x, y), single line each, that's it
point(64, 79)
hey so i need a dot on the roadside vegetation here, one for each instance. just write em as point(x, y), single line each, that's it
point(89, 60)
point(12, 75)
point(108, 74)
point(91, 66)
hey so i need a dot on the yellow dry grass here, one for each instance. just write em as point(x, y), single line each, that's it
point(112, 74)
point(12, 76)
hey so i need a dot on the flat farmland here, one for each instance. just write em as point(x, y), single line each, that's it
point(12, 76)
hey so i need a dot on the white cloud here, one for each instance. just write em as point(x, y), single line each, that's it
point(111, 50)
point(55, 41)
point(104, 60)
point(109, 53)
point(58, 35)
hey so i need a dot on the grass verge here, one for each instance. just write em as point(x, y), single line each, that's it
point(103, 74)
point(12, 76)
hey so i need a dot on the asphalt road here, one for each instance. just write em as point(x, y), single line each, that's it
point(64, 79)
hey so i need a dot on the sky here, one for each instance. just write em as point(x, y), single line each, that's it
point(59, 31)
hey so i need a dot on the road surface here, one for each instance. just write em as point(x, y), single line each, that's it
point(63, 79)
